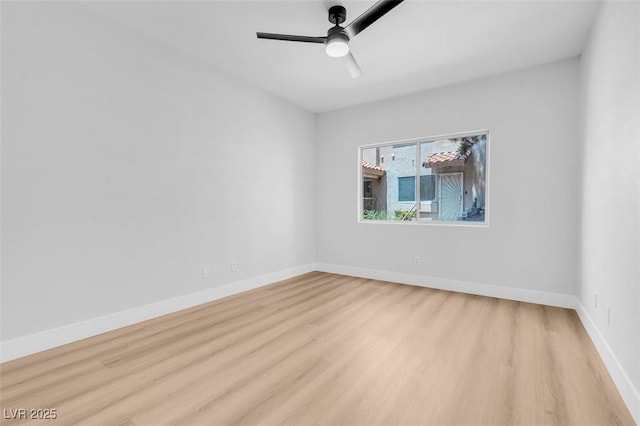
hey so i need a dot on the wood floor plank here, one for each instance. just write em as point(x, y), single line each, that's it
point(69, 357)
point(183, 370)
point(326, 349)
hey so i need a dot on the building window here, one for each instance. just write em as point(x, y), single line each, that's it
point(369, 201)
point(447, 175)
point(407, 188)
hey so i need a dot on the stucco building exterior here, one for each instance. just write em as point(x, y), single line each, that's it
point(451, 184)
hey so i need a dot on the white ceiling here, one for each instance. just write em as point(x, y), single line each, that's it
point(416, 46)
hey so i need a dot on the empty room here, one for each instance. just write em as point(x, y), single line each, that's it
point(357, 212)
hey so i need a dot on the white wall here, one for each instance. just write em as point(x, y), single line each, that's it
point(532, 240)
point(610, 261)
point(127, 166)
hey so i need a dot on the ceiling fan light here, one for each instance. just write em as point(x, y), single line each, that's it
point(337, 47)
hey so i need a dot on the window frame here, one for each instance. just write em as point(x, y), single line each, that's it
point(417, 142)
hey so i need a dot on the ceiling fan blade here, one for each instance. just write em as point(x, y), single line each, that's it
point(288, 37)
point(374, 13)
point(352, 65)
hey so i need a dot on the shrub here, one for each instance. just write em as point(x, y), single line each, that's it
point(405, 214)
point(375, 215)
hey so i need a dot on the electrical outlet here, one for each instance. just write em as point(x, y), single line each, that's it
point(234, 266)
point(206, 272)
point(595, 302)
point(608, 315)
point(417, 260)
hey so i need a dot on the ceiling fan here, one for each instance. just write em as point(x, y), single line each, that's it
point(337, 39)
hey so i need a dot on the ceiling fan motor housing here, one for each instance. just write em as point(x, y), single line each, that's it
point(337, 15)
point(337, 32)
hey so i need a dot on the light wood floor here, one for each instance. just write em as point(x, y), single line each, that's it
point(328, 349)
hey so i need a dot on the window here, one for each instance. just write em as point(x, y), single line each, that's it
point(367, 194)
point(447, 175)
point(407, 188)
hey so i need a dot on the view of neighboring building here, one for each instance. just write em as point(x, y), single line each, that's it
point(451, 184)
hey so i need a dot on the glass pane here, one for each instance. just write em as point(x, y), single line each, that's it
point(389, 182)
point(452, 181)
point(374, 185)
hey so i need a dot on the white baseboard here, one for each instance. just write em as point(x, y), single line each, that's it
point(511, 293)
point(628, 391)
point(37, 342)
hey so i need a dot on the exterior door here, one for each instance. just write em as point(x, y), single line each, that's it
point(450, 196)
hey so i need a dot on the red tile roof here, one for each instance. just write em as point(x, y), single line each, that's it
point(443, 157)
point(372, 167)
